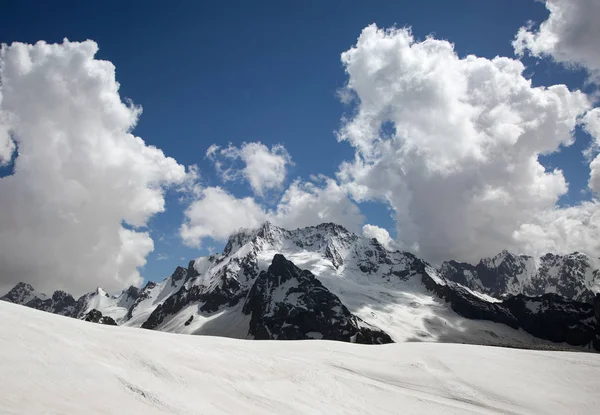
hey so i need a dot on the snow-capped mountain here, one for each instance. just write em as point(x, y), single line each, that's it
point(60, 302)
point(23, 293)
point(382, 288)
point(326, 282)
point(571, 276)
point(115, 306)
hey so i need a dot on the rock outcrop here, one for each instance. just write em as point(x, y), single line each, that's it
point(96, 316)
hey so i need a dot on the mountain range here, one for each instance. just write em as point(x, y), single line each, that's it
point(571, 276)
point(324, 282)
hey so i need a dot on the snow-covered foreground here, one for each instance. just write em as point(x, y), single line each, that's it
point(57, 365)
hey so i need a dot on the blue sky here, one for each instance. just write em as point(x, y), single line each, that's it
point(220, 72)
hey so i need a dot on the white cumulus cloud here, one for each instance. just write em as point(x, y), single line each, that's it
point(569, 35)
point(81, 182)
point(379, 233)
point(563, 230)
point(264, 169)
point(452, 143)
point(310, 203)
point(217, 213)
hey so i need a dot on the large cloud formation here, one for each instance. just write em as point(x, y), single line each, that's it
point(78, 173)
point(569, 35)
point(452, 144)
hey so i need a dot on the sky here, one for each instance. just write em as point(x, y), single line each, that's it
point(450, 130)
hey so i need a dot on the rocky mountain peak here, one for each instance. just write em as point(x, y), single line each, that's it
point(100, 291)
point(505, 259)
point(267, 230)
point(60, 295)
point(63, 303)
point(23, 286)
point(334, 229)
point(179, 273)
point(266, 234)
point(22, 293)
point(270, 236)
point(237, 240)
point(132, 292)
point(284, 268)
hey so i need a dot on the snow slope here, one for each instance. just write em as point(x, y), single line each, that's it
point(114, 306)
point(58, 365)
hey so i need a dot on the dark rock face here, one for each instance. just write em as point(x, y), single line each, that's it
point(189, 273)
point(553, 317)
point(96, 316)
point(548, 317)
point(142, 295)
point(64, 303)
point(178, 275)
point(171, 306)
point(286, 303)
point(506, 274)
point(373, 258)
point(132, 292)
point(227, 293)
point(224, 290)
point(468, 305)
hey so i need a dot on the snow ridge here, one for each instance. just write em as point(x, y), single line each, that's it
point(130, 371)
